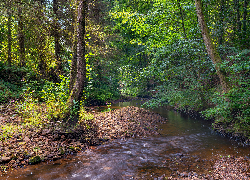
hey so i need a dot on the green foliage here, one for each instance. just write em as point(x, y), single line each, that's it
point(85, 118)
point(169, 63)
point(53, 98)
point(9, 91)
point(233, 108)
point(149, 48)
point(101, 88)
point(34, 160)
point(11, 82)
point(8, 130)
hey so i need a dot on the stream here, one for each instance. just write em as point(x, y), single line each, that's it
point(185, 145)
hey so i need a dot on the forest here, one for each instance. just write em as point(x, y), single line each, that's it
point(58, 58)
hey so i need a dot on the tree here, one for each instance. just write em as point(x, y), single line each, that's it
point(57, 37)
point(221, 22)
point(9, 23)
point(79, 83)
point(21, 35)
point(211, 49)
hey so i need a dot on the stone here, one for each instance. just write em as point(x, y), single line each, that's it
point(5, 159)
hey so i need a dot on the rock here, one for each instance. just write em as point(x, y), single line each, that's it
point(5, 159)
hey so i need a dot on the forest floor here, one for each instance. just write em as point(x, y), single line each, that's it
point(32, 145)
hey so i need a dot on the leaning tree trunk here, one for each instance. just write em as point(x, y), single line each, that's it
point(77, 90)
point(212, 52)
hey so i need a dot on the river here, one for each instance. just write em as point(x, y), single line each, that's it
point(185, 144)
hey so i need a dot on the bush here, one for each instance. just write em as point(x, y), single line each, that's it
point(232, 110)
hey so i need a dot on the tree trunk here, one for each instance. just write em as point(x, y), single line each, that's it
point(57, 37)
point(221, 25)
point(77, 90)
point(21, 37)
point(9, 59)
point(41, 38)
point(245, 16)
point(237, 6)
point(212, 52)
point(244, 26)
point(73, 68)
point(182, 18)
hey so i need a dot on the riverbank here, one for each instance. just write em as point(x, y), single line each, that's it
point(32, 145)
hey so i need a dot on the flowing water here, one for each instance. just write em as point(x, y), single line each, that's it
point(185, 145)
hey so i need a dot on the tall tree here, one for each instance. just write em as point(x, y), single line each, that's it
point(9, 23)
point(237, 7)
point(244, 25)
point(73, 68)
point(57, 37)
point(221, 21)
point(21, 35)
point(211, 49)
point(79, 83)
point(41, 39)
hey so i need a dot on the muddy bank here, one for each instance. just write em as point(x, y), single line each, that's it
point(51, 142)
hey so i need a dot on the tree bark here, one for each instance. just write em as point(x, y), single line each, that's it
point(77, 90)
point(73, 68)
point(9, 14)
point(212, 52)
point(237, 6)
point(41, 38)
point(244, 25)
point(57, 37)
point(21, 37)
point(245, 16)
